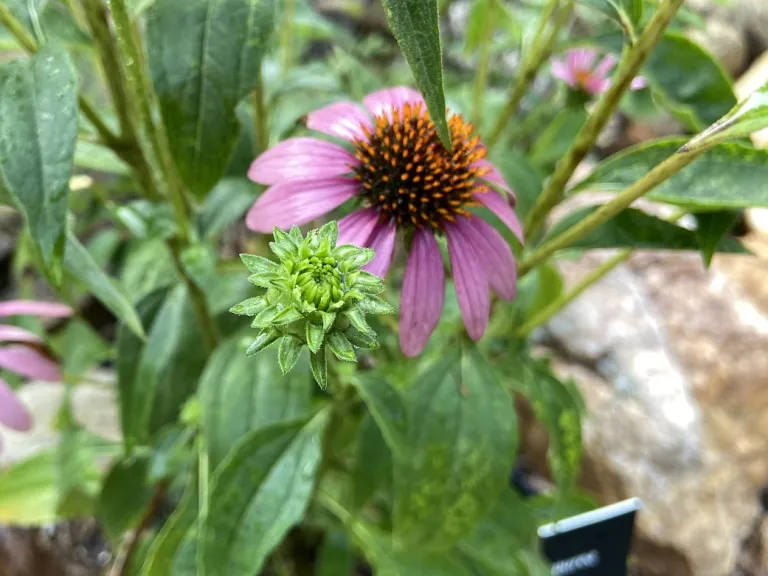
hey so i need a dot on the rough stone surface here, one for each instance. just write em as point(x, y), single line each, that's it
point(726, 41)
point(749, 16)
point(671, 361)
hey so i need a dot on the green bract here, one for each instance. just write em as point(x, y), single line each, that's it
point(316, 295)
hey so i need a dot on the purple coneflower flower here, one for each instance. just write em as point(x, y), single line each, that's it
point(20, 352)
point(578, 70)
point(404, 179)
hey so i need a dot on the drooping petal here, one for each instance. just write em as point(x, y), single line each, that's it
point(29, 363)
point(343, 120)
point(356, 228)
point(301, 159)
point(495, 177)
point(499, 206)
point(13, 413)
point(34, 308)
point(495, 253)
point(605, 66)
point(296, 203)
point(564, 72)
point(16, 334)
point(421, 302)
point(470, 281)
point(638, 83)
point(382, 101)
point(382, 240)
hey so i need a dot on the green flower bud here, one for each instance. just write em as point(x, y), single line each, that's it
point(314, 296)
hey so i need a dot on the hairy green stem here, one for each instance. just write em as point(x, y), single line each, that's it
point(628, 68)
point(260, 118)
point(286, 36)
point(659, 174)
point(541, 47)
point(556, 306)
point(484, 60)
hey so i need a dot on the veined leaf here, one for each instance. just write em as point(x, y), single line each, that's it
point(416, 27)
point(38, 127)
point(161, 554)
point(204, 57)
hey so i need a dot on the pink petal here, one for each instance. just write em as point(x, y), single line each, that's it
point(596, 85)
point(421, 302)
point(382, 101)
point(13, 413)
point(29, 363)
point(605, 66)
point(16, 334)
point(34, 308)
point(581, 59)
point(562, 71)
point(296, 203)
point(499, 206)
point(638, 83)
point(301, 159)
point(470, 281)
point(495, 177)
point(356, 228)
point(382, 240)
point(343, 120)
point(495, 253)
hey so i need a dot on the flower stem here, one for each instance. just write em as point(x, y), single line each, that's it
point(29, 44)
point(260, 118)
point(481, 75)
point(286, 36)
point(627, 69)
point(541, 46)
point(659, 174)
point(548, 312)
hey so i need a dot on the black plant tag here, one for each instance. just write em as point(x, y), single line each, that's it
point(592, 544)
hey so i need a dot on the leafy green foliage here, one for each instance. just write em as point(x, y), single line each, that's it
point(240, 395)
point(258, 493)
point(38, 123)
point(727, 176)
point(124, 496)
point(461, 441)
point(416, 28)
point(205, 56)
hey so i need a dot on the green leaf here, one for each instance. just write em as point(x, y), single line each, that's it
point(82, 268)
point(226, 203)
point(286, 316)
point(258, 494)
point(636, 229)
point(558, 407)
point(164, 548)
point(387, 407)
point(357, 319)
point(27, 12)
point(318, 362)
point(249, 307)
point(76, 467)
point(711, 228)
point(38, 123)
point(416, 27)
point(80, 348)
point(264, 339)
point(375, 305)
point(124, 496)
point(93, 156)
point(475, 33)
point(204, 57)
point(29, 492)
point(529, 181)
point(538, 290)
point(240, 394)
point(726, 176)
point(315, 335)
point(462, 437)
point(496, 542)
point(373, 463)
point(626, 13)
point(289, 352)
point(153, 390)
point(337, 555)
point(361, 340)
point(689, 80)
point(341, 347)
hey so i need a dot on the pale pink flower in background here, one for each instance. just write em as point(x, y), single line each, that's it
point(20, 353)
point(403, 179)
point(579, 71)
